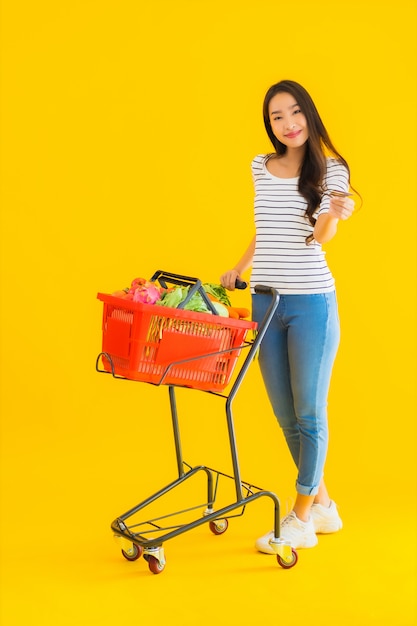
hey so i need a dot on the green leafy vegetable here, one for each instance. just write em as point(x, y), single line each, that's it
point(176, 296)
point(173, 297)
point(218, 292)
point(196, 303)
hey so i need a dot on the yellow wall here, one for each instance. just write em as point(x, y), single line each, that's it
point(127, 134)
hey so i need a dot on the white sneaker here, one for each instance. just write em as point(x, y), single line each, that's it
point(326, 519)
point(299, 534)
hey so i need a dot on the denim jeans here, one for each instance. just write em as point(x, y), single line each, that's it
point(296, 359)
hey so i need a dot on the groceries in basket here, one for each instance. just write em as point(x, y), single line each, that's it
point(149, 292)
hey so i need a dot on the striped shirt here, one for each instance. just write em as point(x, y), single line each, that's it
point(282, 258)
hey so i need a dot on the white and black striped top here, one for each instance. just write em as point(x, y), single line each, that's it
point(282, 258)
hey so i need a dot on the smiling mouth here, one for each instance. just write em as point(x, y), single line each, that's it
point(292, 135)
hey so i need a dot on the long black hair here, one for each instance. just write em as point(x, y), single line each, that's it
point(313, 170)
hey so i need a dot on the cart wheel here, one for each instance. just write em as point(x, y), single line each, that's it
point(155, 566)
point(133, 553)
point(219, 526)
point(286, 564)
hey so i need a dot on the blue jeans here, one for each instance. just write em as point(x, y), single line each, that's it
point(296, 359)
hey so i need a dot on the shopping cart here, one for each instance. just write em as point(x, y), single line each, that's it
point(181, 348)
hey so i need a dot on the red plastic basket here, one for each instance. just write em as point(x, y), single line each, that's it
point(145, 342)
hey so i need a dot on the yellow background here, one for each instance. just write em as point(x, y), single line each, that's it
point(127, 134)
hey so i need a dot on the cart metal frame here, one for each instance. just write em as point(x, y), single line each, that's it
point(147, 538)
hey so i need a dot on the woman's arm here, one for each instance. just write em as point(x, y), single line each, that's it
point(228, 279)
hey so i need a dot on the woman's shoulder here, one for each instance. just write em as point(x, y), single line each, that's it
point(259, 158)
point(334, 165)
point(259, 161)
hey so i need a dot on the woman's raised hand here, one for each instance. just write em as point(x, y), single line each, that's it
point(341, 207)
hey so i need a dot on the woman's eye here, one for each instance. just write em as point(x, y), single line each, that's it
point(297, 111)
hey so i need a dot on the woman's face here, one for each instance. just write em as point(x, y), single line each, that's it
point(288, 122)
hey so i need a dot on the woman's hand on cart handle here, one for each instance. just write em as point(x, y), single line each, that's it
point(231, 280)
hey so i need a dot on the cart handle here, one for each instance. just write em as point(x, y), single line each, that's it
point(264, 289)
point(240, 284)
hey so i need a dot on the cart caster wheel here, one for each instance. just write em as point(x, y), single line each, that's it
point(133, 553)
point(288, 564)
point(155, 566)
point(219, 527)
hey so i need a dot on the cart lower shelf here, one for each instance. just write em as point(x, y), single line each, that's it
point(146, 538)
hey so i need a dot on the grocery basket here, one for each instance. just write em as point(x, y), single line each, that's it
point(158, 344)
point(180, 348)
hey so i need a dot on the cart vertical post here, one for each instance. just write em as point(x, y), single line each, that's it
point(175, 427)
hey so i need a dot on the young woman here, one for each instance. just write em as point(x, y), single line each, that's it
point(301, 193)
